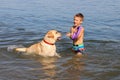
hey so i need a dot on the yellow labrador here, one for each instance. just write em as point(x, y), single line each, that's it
point(46, 47)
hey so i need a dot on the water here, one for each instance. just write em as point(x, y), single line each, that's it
point(24, 22)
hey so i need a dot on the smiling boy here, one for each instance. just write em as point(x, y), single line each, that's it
point(77, 34)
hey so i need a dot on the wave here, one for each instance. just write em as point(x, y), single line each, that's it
point(102, 41)
point(12, 47)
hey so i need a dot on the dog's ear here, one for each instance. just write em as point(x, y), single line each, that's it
point(50, 35)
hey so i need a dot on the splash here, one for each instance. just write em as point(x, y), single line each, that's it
point(12, 47)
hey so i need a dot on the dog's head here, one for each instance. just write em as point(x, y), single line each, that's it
point(52, 36)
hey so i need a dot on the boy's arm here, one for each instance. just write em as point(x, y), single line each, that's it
point(80, 37)
point(81, 32)
point(69, 34)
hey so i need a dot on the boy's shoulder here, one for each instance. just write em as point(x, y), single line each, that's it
point(82, 27)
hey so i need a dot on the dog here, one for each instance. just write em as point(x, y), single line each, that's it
point(46, 47)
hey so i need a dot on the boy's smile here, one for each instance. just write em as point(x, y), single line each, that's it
point(77, 21)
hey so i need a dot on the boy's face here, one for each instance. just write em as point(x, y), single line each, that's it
point(77, 21)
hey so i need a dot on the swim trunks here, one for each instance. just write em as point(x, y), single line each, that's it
point(78, 48)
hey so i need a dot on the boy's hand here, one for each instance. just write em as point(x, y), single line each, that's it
point(68, 34)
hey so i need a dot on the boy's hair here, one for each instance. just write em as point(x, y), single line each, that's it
point(79, 15)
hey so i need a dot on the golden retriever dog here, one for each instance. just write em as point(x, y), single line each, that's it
point(44, 48)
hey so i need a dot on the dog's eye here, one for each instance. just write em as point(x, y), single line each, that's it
point(56, 32)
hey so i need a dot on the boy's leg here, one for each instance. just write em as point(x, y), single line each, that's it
point(80, 51)
point(79, 54)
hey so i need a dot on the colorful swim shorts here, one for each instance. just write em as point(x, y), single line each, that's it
point(78, 48)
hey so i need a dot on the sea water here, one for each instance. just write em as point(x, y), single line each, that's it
point(25, 22)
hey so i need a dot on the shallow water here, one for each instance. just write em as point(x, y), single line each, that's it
point(24, 22)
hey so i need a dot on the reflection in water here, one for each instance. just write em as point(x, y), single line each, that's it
point(48, 65)
point(74, 68)
point(75, 63)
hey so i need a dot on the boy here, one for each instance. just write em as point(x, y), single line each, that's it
point(77, 34)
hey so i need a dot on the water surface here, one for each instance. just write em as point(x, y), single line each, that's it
point(24, 22)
